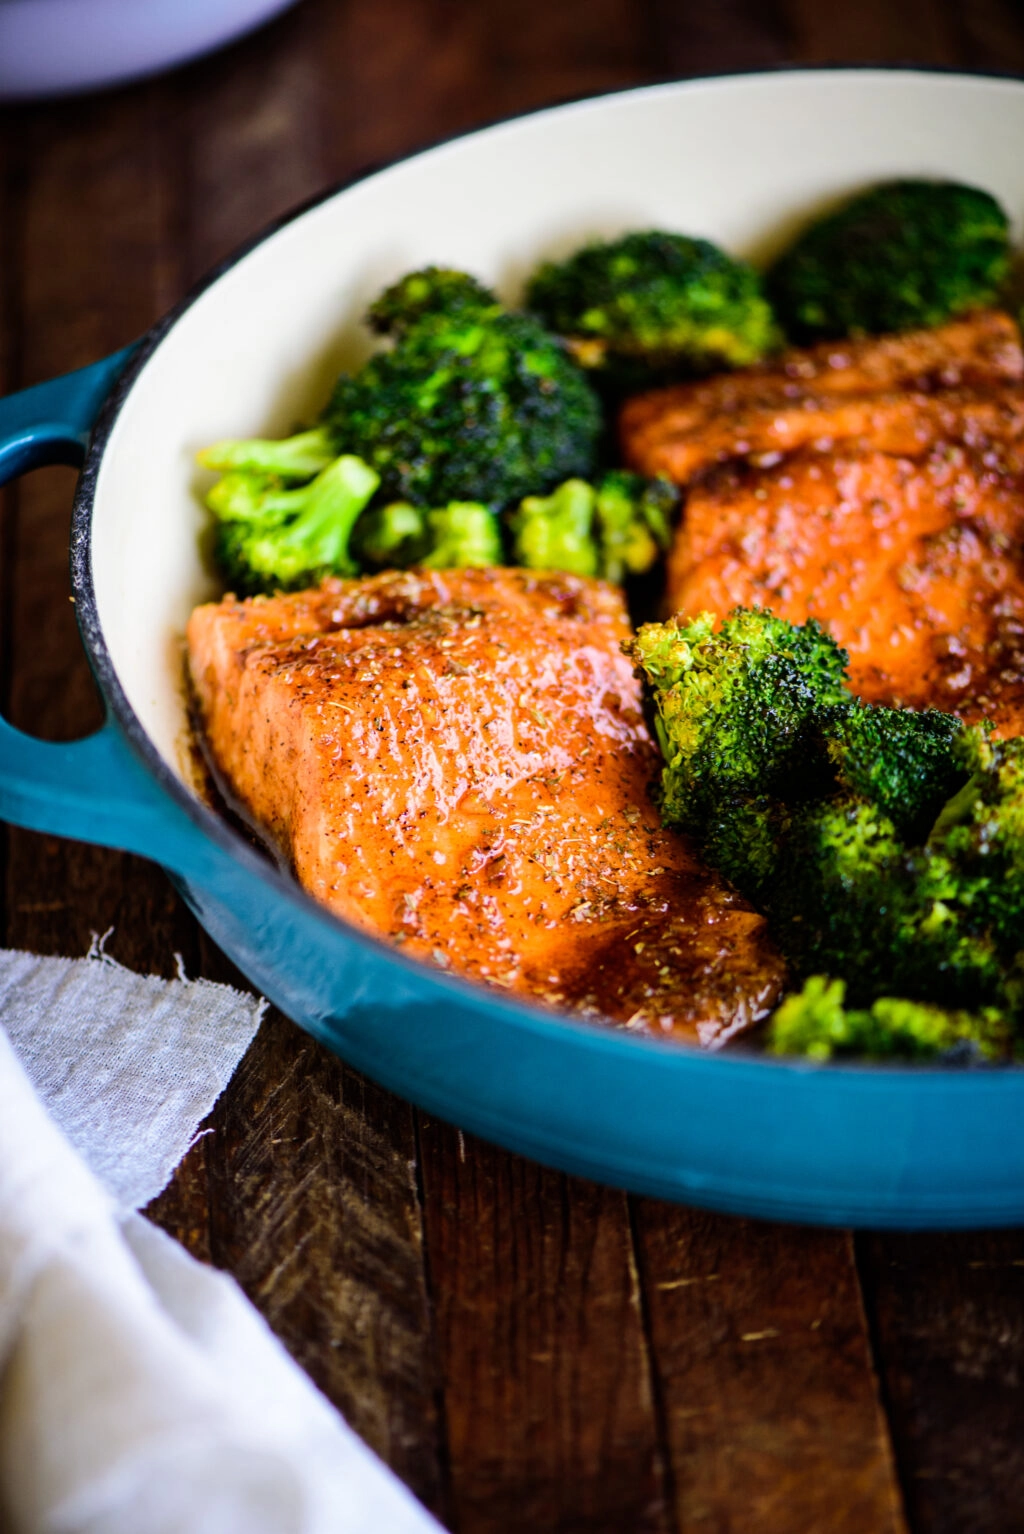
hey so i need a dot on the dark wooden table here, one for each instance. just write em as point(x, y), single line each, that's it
point(527, 1351)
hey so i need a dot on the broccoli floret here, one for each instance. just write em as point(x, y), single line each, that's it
point(850, 896)
point(435, 290)
point(614, 529)
point(814, 1022)
point(733, 704)
point(461, 534)
point(291, 458)
point(555, 532)
point(662, 300)
point(901, 760)
point(885, 845)
point(391, 537)
point(980, 836)
point(272, 538)
point(906, 254)
point(634, 519)
point(398, 535)
point(470, 404)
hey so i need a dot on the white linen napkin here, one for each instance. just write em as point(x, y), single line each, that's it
point(140, 1392)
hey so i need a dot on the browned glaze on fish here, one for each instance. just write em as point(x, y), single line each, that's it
point(896, 393)
point(894, 515)
point(457, 761)
point(915, 566)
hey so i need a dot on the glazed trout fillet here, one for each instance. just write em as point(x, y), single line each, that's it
point(457, 762)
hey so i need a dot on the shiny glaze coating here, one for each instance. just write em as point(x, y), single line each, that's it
point(877, 486)
point(458, 761)
point(896, 393)
point(915, 566)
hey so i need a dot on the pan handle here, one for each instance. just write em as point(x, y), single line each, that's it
point(96, 789)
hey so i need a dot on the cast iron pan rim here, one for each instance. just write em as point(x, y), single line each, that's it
point(516, 1013)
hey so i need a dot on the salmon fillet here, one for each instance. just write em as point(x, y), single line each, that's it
point(895, 393)
point(457, 762)
point(877, 486)
point(916, 567)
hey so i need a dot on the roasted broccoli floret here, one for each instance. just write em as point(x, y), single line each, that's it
point(398, 535)
point(733, 704)
point(269, 537)
point(456, 536)
point(663, 301)
point(391, 537)
point(614, 529)
point(634, 518)
point(903, 761)
point(460, 534)
point(815, 1022)
point(734, 710)
point(885, 845)
point(555, 532)
point(903, 255)
point(850, 896)
point(434, 290)
point(980, 835)
point(468, 404)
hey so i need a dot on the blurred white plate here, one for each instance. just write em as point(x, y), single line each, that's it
point(54, 47)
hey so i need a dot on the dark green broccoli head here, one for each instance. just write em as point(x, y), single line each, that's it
point(904, 761)
point(742, 836)
point(434, 290)
point(849, 896)
point(663, 299)
point(733, 706)
point(268, 538)
point(903, 255)
point(469, 407)
point(815, 1022)
point(979, 836)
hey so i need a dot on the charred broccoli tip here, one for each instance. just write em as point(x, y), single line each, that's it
point(903, 255)
point(664, 301)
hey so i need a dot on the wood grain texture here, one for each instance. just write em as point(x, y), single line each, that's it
point(714, 39)
point(872, 32)
point(989, 34)
point(948, 1312)
point(90, 206)
point(550, 1413)
point(764, 1377)
point(313, 1207)
point(312, 1202)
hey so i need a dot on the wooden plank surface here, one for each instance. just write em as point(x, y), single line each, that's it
point(528, 1351)
point(551, 1419)
point(763, 1363)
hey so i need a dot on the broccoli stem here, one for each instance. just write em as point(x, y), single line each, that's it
point(328, 509)
point(299, 457)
